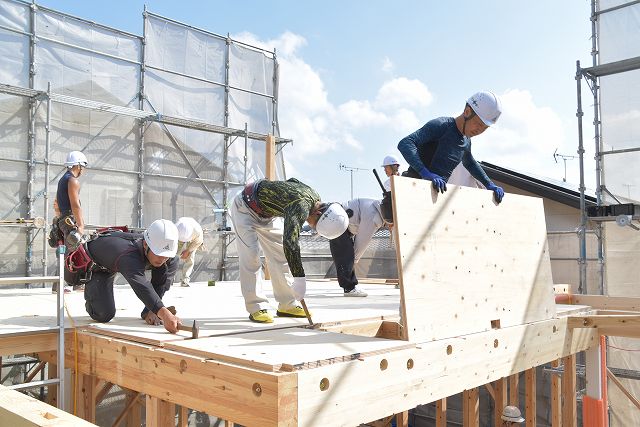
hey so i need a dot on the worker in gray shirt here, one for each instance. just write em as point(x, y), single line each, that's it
point(365, 218)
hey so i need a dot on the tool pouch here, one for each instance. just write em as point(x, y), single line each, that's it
point(386, 207)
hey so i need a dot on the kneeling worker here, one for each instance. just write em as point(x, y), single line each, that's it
point(253, 213)
point(130, 254)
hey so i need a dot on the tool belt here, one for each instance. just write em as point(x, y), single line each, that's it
point(386, 207)
point(250, 197)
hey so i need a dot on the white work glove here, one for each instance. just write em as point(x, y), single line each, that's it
point(299, 287)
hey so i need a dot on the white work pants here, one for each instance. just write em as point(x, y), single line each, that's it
point(253, 233)
point(187, 266)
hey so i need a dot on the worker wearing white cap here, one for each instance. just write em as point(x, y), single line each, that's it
point(434, 150)
point(190, 239)
point(511, 416)
point(391, 167)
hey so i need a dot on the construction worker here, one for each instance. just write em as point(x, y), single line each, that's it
point(130, 254)
point(511, 416)
point(253, 213)
point(434, 150)
point(67, 201)
point(365, 218)
point(190, 239)
point(391, 167)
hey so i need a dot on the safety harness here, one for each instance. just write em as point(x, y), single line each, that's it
point(250, 197)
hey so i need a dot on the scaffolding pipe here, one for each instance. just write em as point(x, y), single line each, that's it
point(32, 143)
point(47, 153)
point(141, 124)
point(582, 288)
point(225, 158)
point(60, 314)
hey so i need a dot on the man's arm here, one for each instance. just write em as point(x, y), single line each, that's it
point(294, 216)
point(74, 198)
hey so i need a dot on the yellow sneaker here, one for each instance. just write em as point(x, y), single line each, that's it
point(296, 311)
point(261, 316)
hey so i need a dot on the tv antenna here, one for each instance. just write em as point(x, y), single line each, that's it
point(564, 158)
point(350, 169)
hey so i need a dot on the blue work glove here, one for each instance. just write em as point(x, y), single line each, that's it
point(498, 192)
point(436, 180)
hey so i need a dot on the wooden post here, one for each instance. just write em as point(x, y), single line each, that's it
point(556, 399)
point(500, 399)
point(471, 408)
point(160, 413)
point(530, 397)
point(514, 390)
point(569, 405)
point(183, 416)
point(87, 398)
point(270, 174)
point(402, 419)
point(441, 413)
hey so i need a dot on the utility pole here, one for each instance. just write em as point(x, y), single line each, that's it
point(564, 158)
point(350, 169)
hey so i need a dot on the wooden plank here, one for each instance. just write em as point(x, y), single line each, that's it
point(623, 389)
point(88, 393)
point(183, 416)
point(29, 343)
point(270, 158)
point(20, 410)
point(226, 391)
point(514, 390)
point(287, 349)
point(603, 302)
point(500, 399)
point(569, 404)
point(431, 371)
point(556, 397)
point(441, 412)
point(402, 419)
point(530, 398)
point(611, 325)
point(471, 408)
point(160, 413)
point(492, 260)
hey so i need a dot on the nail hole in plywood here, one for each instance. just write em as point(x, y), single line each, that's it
point(324, 384)
point(495, 324)
point(555, 329)
point(449, 349)
point(384, 364)
point(410, 364)
point(495, 343)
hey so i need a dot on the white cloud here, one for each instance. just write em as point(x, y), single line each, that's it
point(387, 65)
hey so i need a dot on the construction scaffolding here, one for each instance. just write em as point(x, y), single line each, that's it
point(612, 79)
point(172, 122)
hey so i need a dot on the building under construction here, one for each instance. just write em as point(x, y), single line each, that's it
point(176, 121)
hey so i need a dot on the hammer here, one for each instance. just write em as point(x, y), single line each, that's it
point(195, 330)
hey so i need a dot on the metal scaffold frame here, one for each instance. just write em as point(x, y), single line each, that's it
point(144, 118)
point(591, 76)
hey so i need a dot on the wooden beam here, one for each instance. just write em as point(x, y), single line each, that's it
point(133, 415)
point(569, 404)
point(471, 408)
point(500, 387)
point(31, 343)
point(602, 302)
point(622, 388)
point(20, 410)
point(556, 397)
point(106, 387)
point(530, 398)
point(441, 412)
point(490, 390)
point(270, 152)
point(52, 390)
point(514, 390)
point(34, 371)
point(88, 392)
point(611, 325)
point(133, 398)
point(160, 413)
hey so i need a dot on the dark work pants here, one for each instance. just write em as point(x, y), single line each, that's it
point(343, 255)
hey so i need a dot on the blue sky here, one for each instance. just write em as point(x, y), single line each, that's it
point(357, 76)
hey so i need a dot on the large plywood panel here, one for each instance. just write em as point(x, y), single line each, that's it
point(467, 264)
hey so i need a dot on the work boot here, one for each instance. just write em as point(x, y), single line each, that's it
point(184, 284)
point(355, 292)
point(261, 316)
point(295, 311)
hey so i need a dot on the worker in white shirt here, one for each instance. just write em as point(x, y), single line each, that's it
point(365, 218)
point(190, 239)
point(391, 166)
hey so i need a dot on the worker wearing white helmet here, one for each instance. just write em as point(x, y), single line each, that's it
point(190, 238)
point(391, 167)
point(254, 212)
point(511, 416)
point(434, 150)
point(130, 254)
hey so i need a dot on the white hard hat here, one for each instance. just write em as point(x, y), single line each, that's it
point(185, 228)
point(76, 158)
point(162, 238)
point(512, 413)
point(487, 106)
point(333, 221)
point(390, 160)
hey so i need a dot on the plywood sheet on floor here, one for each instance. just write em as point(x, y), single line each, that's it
point(287, 349)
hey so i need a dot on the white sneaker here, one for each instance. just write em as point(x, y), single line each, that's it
point(184, 284)
point(355, 292)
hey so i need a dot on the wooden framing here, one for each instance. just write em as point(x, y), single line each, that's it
point(502, 321)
